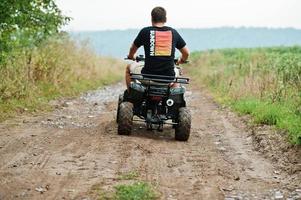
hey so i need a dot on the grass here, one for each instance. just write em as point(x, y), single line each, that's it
point(135, 191)
point(264, 83)
point(132, 190)
point(271, 114)
point(59, 67)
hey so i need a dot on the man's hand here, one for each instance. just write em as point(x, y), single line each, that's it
point(180, 61)
point(131, 57)
point(185, 53)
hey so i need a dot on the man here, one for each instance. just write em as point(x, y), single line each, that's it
point(159, 42)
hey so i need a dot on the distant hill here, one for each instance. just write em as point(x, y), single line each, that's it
point(116, 42)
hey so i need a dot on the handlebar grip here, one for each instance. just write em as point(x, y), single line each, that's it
point(137, 59)
point(176, 60)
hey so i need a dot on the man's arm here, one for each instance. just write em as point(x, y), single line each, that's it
point(132, 52)
point(185, 53)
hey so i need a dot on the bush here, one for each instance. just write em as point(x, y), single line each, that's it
point(57, 67)
point(263, 82)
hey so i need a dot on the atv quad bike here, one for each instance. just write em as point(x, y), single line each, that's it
point(154, 101)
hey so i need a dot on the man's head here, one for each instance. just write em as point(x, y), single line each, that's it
point(158, 15)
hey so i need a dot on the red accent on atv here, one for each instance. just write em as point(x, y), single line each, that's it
point(156, 98)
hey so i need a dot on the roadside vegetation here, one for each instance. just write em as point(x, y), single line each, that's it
point(263, 82)
point(135, 191)
point(38, 62)
point(128, 188)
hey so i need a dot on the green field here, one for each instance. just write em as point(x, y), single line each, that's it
point(262, 82)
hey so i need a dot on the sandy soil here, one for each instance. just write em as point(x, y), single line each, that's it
point(75, 152)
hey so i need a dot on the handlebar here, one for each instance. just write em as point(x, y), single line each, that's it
point(141, 58)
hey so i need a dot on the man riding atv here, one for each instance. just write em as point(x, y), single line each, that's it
point(159, 42)
point(155, 93)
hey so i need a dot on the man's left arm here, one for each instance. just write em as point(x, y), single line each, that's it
point(132, 52)
point(136, 44)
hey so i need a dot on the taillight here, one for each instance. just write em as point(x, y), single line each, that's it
point(156, 98)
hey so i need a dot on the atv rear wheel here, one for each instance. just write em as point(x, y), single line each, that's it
point(120, 100)
point(125, 118)
point(182, 130)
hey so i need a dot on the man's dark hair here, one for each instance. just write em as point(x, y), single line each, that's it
point(159, 15)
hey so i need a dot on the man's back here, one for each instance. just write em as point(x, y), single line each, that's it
point(159, 46)
point(159, 42)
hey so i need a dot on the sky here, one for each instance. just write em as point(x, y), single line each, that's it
point(125, 14)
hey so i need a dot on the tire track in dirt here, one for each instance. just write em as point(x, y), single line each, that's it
point(75, 152)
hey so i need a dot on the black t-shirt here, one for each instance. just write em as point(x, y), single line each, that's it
point(159, 47)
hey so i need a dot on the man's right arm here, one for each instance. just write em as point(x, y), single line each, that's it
point(181, 46)
point(184, 55)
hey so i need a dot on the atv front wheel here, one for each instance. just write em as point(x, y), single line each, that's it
point(182, 130)
point(125, 118)
point(120, 100)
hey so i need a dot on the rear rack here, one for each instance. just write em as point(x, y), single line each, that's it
point(159, 78)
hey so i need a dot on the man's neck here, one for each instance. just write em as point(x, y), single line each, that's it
point(160, 24)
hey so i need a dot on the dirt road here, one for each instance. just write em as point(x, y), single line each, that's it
point(75, 152)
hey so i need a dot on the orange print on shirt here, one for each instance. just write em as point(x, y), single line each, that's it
point(163, 43)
